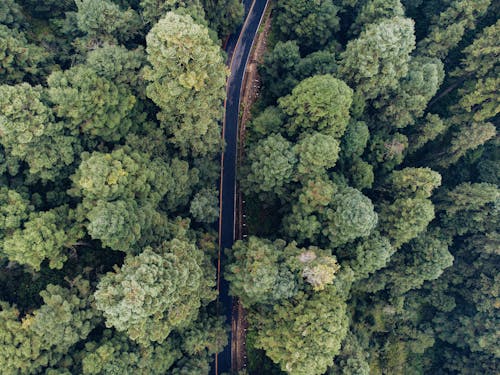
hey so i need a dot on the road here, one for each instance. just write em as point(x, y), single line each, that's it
point(238, 51)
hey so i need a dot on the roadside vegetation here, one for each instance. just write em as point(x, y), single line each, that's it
point(109, 159)
point(371, 178)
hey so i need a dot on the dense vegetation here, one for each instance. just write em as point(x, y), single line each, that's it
point(109, 146)
point(370, 177)
point(371, 184)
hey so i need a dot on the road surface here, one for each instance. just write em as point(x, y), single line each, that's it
point(238, 52)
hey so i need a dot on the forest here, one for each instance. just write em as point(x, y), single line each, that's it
point(370, 176)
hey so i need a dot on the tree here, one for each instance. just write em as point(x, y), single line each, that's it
point(188, 85)
point(310, 24)
point(253, 272)
point(408, 102)
point(204, 206)
point(91, 104)
point(45, 235)
point(469, 208)
point(405, 219)
point(366, 255)
point(14, 210)
point(467, 137)
point(30, 133)
point(11, 14)
point(316, 153)
point(375, 62)
point(347, 215)
point(155, 292)
point(374, 11)
point(413, 182)
point(277, 71)
point(427, 129)
point(41, 338)
point(303, 335)
point(20, 60)
point(104, 19)
point(424, 258)
point(319, 103)
point(355, 139)
point(223, 16)
point(270, 166)
point(479, 71)
point(449, 27)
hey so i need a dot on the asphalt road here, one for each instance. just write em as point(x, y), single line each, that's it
point(238, 49)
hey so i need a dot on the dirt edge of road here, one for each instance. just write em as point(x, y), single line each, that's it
point(249, 94)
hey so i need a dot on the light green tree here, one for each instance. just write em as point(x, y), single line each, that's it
point(91, 104)
point(270, 166)
point(45, 235)
point(374, 63)
point(204, 206)
point(155, 292)
point(316, 153)
point(320, 103)
point(187, 78)
point(31, 134)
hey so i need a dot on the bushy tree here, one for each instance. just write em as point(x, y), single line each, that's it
point(39, 339)
point(339, 219)
point(449, 27)
point(374, 11)
point(408, 102)
point(374, 63)
point(204, 206)
point(44, 235)
point(155, 292)
point(91, 104)
point(311, 24)
point(320, 103)
point(270, 166)
point(31, 134)
point(104, 19)
point(223, 16)
point(187, 78)
point(405, 218)
point(316, 153)
point(303, 335)
point(414, 182)
point(20, 60)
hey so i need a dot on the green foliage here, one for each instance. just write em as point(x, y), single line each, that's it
point(410, 99)
point(405, 219)
point(449, 27)
point(30, 133)
point(427, 130)
point(374, 11)
point(354, 141)
point(187, 78)
point(20, 60)
point(31, 342)
point(91, 104)
point(338, 219)
point(270, 166)
point(253, 273)
point(155, 292)
point(414, 182)
point(316, 152)
point(44, 235)
point(470, 208)
point(204, 206)
point(319, 103)
point(376, 61)
point(303, 335)
point(103, 18)
point(223, 16)
point(311, 24)
point(11, 14)
point(14, 210)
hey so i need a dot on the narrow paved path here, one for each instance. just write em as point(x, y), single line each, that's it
point(238, 52)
